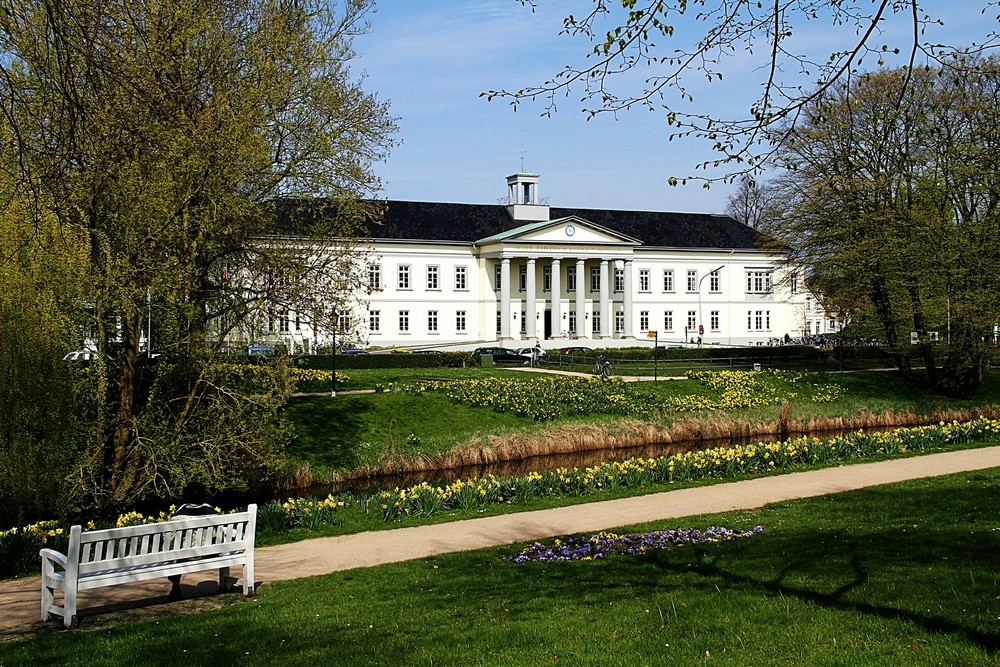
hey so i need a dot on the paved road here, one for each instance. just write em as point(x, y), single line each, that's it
point(20, 599)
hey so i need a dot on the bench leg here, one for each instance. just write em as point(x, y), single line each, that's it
point(225, 581)
point(48, 599)
point(69, 606)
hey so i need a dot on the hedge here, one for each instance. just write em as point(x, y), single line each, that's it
point(378, 361)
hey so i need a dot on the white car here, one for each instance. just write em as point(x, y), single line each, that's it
point(80, 355)
point(534, 354)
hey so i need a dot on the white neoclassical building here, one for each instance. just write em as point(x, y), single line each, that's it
point(456, 276)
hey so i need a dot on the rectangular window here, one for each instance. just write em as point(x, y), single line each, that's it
point(595, 279)
point(619, 322)
point(572, 321)
point(433, 277)
point(596, 329)
point(498, 322)
point(714, 281)
point(496, 276)
point(432, 321)
point(668, 280)
point(460, 321)
point(546, 278)
point(374, 277)
point(643, 280)
point(283, 320)
point(668, 320)
point(692, 280)
point(794, 283)
point(570, 278)
point(758, 282)
point(343, 323)
point(759, 320)
point(523, 281)
point(713, 320)
point(643, 320)
point(619, 280)
point(374, 325)
point(524, 322)
point(403, 276)
point(461, 277)
point(270, 321)
point(692, 324)
point(404, 321)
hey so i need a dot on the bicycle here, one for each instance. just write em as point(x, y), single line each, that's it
point(603, 367)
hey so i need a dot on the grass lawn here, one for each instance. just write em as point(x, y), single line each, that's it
point(893, 575)
point(349, 431)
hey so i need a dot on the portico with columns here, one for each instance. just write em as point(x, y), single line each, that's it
point(542, 272)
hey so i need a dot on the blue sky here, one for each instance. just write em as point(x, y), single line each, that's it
point(432, 59)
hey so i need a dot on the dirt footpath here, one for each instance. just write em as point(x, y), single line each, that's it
point(20, 599)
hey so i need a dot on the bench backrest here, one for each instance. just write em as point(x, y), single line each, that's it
point(183, 537)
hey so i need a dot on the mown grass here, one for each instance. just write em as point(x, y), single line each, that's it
point(351, 431)
point(899, 574)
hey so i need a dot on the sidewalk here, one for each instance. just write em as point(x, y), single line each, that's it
point(20, 599)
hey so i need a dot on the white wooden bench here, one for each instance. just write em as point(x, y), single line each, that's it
point(120, 555)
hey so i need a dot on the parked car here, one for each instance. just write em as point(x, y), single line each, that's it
point(355, 352)
point(260, 351)
point(575, 350)
point(500, 355)
point(80, 355)
point(428, 352)
point(533, 354)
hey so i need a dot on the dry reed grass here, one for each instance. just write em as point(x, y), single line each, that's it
point(630, 434)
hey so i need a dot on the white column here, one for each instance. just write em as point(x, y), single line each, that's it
point(557, 325)
point(581, 313)
point(530, 328)
point(505, 299)
point(605, 301)
point(627, 333)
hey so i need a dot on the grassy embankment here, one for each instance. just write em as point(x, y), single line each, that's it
point(899, 574)
point(395, 430)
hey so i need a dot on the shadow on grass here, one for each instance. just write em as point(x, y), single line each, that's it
point(937, 575)
point(328, 432)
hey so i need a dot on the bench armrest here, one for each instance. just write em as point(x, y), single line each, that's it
point(54, 556)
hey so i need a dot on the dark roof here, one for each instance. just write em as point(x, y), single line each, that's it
point(407, 220)
point(467, 223)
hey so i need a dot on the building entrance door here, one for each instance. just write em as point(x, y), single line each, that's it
point(548, 324)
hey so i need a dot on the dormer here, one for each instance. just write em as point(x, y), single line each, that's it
point(523, 202)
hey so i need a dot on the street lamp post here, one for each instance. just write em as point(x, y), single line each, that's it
point(701, 322)
point(333, 357)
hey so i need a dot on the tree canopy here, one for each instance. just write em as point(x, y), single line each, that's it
point(893, 203)
point(154, 138)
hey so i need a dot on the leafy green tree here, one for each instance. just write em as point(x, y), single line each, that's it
point(892, 197)
point(161, 134)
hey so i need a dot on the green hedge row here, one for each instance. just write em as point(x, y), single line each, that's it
point(376, 361)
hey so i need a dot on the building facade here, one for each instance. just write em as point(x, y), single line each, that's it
point(456, 276)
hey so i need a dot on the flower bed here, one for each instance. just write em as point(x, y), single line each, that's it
point(548, 399)
point(717, 463)
point(602, 545)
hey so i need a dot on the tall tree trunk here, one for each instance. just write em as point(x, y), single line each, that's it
point(923, 340)
point(124, 428)
point(878, 292)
